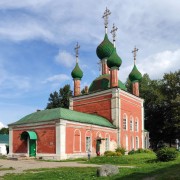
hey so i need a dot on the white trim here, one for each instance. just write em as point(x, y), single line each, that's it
point(10, 141)
point(142, 119)
point(75, 142)
point(104, 92)
point(127, 145)
point(34, 125)
point(127, 94)
point(61, 140)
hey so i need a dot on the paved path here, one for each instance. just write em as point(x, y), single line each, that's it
point(21, 165)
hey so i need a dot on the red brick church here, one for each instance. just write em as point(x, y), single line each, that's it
point(105, 117)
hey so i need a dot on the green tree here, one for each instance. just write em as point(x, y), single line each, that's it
point(4, 130)
point(162, 107)
point(60, 99)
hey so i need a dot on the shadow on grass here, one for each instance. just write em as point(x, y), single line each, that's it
point(171, 172)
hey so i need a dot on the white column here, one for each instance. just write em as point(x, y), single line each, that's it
point(61, 140)
point(142, 111)
point(115, 112)
point(70, 103)
point(10, 141)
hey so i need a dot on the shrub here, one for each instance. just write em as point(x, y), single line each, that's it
point(121, 150)
point(140, 151)
point(166, 154)
point(112, 153)
point(132, 152)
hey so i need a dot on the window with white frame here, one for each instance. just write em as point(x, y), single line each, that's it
point(136, 125)
point(131, 124)
point(137, 143)
point(106, 144)
point(125, 122)
point(88, 143)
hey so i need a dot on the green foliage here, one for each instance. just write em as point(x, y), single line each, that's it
point(140, 151)
point(60, 99)
point(112, 153)
point(4, 130)
point(162, 107)
point(121, 150)
point(166, 154)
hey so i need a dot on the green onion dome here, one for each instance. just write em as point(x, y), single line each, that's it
point(114, 60)
point(135, 75)
point(102, 83)
point(105, 49)
point(77, 72)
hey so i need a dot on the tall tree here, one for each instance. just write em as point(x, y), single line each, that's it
point(60, 99)
point(162, 107)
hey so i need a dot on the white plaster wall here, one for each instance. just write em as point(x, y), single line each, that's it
point(3, 149)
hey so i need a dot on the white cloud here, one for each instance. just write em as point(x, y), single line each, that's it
point(65, 59)
point(24, 28)
point(158, 64)
point(2, 125)
point(11, 4)
point(57, 78)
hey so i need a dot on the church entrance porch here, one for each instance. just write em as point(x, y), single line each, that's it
point(30, 137)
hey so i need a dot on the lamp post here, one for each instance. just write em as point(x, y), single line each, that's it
point(177, 144)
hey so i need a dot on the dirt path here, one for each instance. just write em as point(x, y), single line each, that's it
point(21, 165)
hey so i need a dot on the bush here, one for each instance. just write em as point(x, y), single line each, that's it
point(166, 154)
point(121, 150)
point(140, 151)
point(112, 153)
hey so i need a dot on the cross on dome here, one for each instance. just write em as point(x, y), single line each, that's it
point(113, 32)
point(107, 12)
point(77, 51)
point(134, 52)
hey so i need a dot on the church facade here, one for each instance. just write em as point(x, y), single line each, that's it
point(103, 118)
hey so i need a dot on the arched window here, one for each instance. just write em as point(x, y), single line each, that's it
point(132, 142)
point(107, 139)
point(137, 143)
point(136, 125)
point(88, 141)
point(131, 124)
point(77, 140)
point(125, 121)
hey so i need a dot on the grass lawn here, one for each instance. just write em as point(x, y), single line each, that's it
point(146, 166)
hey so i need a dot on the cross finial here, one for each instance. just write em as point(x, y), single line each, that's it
point(107, 12)
point(134, 52)
point(113, 32)
point(77, 51)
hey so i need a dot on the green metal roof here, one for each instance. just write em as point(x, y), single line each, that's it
point(61, 113)
point(105, 49)
point(4, 138)
point(77, 72)
point(103, 83)
point(114, 60)
point(135, 75)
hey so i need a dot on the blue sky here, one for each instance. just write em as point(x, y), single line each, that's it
point(37, 39)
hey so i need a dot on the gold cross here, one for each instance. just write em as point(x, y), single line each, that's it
point(134, 52)
point(107, 12)
point(113, 32)
point(77, 49)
